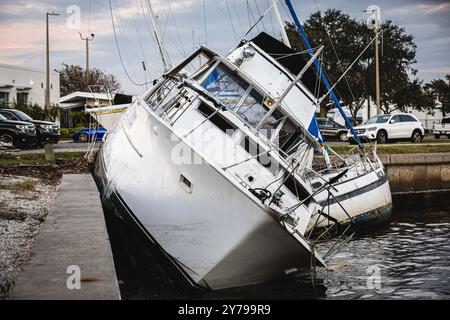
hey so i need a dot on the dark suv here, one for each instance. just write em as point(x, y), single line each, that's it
point(17, 133)
point(332, 129)
point(46, 131)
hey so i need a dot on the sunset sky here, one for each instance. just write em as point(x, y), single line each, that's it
point(186, 23)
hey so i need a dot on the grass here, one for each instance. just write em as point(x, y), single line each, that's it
point(399, 148)
point(27, 185)
point(37, 158)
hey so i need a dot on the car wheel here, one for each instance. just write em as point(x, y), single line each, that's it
point(437, 136)
point(382, 137)
point(83, 137)
point(6, 140)
point(343, 136)
point(416, 136)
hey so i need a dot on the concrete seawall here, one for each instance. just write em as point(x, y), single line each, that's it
point(417, 172)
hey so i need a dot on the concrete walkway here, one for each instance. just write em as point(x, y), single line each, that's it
point(72, 239)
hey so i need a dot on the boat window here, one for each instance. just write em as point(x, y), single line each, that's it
point(216, 119)
point(297, 189)
point(289, 137)
point(257, 151)
point(226, 86)
point(253, 109)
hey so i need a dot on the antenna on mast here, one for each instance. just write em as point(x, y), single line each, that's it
point(156, 29)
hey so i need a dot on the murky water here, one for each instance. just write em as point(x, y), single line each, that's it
point(409, 258)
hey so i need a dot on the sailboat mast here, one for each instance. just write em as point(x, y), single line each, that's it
point(162, 50)
point(280, 24)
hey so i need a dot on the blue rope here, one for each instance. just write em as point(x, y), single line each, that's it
point(319, 69)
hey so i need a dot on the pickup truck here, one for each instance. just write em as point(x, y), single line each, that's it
point(442, 129)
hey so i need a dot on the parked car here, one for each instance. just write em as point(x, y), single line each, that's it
point(442, 129)
point(332, 129)
point(89, 134)
point(46, 131)
point(390, 127)
point(18, 134)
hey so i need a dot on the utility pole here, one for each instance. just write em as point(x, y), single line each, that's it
point(373, 22)
point(377, 71)
point(87, 39)
point(281, 24)
point(47, 62)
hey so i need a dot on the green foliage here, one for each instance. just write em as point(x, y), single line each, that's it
point(35, 111)
point(346, 37)
point(73, 78)
point(438, 89)
point(67, 133)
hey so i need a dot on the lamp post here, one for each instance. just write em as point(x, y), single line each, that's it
point(373, 22)
point(47, 69)
point(87, 39)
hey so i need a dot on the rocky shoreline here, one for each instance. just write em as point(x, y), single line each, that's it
point(24, 204)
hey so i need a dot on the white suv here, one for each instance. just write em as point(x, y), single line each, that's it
point(390, 127)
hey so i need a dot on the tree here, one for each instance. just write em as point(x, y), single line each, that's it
point(438, 89)
point(344, 38)
point(73, 78)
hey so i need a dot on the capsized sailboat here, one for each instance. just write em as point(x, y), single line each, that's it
point(222, 200)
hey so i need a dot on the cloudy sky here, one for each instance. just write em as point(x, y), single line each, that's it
point(186, 24)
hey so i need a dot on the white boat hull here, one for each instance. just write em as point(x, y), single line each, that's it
point(366, 200)
point(108, 116)
point(214, 232)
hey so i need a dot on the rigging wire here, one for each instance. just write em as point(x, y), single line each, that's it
point(239, 17)
point(334, 50)
point(250, 14)
point(119, 51)
point(259, 13)
point(231, 19)
point(227, 17)
point(120, 27)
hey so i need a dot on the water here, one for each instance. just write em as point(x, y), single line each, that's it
point(409, 258)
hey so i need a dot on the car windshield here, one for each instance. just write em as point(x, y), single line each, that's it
point(379, 119)
point(23, 116)
point(2, 117)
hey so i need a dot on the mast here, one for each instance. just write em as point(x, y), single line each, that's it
point(156, 29)
point(280, 23)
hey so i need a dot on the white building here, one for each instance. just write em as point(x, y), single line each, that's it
point(26, 85)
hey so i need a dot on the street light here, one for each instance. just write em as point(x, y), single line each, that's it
point(47, 69)
point(87, 39)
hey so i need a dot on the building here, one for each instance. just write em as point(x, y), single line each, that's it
point(76, 102)
point(26, 85)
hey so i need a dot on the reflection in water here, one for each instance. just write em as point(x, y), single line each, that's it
point(406, 259)
point(411, 255)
